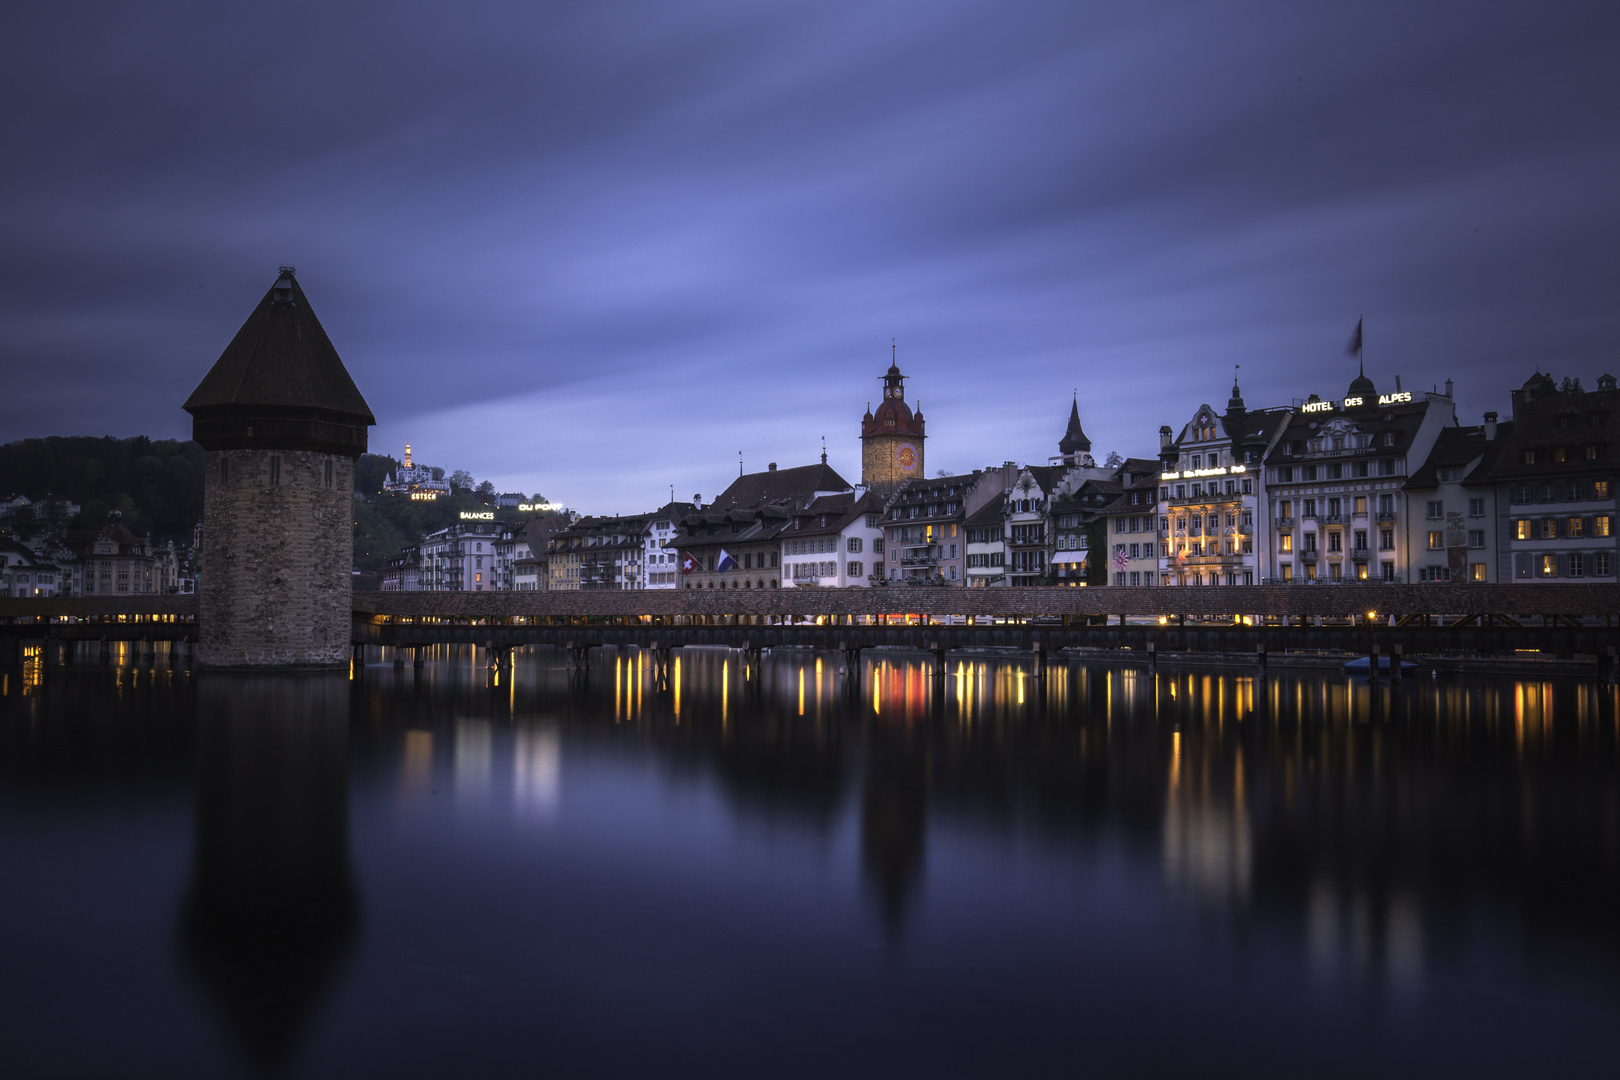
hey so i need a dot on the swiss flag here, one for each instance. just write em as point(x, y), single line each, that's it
point(690, 563)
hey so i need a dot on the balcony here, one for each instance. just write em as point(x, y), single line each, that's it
point(1386, 515)
point(1360, 554)
point(918, 560)
point(1308, 555)
point(1285, 523)
point(1333, 519)
point(1245, 530)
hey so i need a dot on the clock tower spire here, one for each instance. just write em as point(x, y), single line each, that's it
point(891, 438)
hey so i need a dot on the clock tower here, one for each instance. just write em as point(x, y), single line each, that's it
point(891, 439)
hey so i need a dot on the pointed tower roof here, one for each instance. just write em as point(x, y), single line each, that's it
point(281, 357)
point(1074, 440)
point(281, 371)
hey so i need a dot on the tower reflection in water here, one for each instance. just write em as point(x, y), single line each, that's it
point(272, 911)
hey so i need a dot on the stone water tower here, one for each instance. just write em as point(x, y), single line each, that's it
point(283, 425)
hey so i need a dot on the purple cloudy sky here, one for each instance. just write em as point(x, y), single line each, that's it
point(596, 249)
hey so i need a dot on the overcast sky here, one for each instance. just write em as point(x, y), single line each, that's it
point(595, 250)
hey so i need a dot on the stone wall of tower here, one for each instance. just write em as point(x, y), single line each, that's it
point(880, 465)
point(277, 560)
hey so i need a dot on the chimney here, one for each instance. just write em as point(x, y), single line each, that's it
point(1165, 435)
point(697, 501)
point(772, 467)
point(1448, 388)
point(1490, 427)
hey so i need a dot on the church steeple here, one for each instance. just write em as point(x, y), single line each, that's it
point(1074, 441)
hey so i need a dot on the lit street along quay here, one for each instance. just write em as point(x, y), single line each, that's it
point(758, 866)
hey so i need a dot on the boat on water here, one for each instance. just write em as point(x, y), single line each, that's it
point(1362, 665)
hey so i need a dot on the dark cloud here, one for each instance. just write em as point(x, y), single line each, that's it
point(594, 249)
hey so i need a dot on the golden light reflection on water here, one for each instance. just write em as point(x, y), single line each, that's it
point(1355, 804)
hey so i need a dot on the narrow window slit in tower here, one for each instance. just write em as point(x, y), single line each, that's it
point(329, 475)
point(275, 471)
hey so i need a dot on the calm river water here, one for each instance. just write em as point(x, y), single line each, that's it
point(761, 874)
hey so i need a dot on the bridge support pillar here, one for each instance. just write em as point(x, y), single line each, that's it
point(1372, 665)
point(1038, 650)
point(1395, 663)
point(579, 659)
point(399, 658)
point(938, 649)
point(1260, 657)
point(416, 657)
point(1153, 656)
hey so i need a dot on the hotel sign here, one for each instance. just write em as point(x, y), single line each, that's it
point(477, 515)
point(1356, 402)
point(538, 508)
point(1195, 474)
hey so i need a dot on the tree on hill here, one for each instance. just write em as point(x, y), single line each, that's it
point(156, 485)
point(370, 472)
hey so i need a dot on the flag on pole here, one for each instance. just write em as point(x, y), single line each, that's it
point(690, 563)
point(1121, 560)
point(1354, 348)
point(726, 562)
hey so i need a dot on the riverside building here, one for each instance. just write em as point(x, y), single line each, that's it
point(1334, 483)
point(1210, 521)
point(1555, 481)
point(1450, 530)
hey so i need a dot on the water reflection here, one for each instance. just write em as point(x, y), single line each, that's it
point(272, 908)
point(619, 859)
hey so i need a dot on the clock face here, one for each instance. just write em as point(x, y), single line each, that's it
point(906, 456)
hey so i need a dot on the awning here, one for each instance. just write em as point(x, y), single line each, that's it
point(1068, 557)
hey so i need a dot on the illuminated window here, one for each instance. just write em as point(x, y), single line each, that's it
point(1600, 489)
point(1437, 540)
point(1574, 527)
point(1476, 572)
point(1600, 525)
point(1285, 543)
point(1549, 528)
point(1549, 566)
point(1521, 529)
